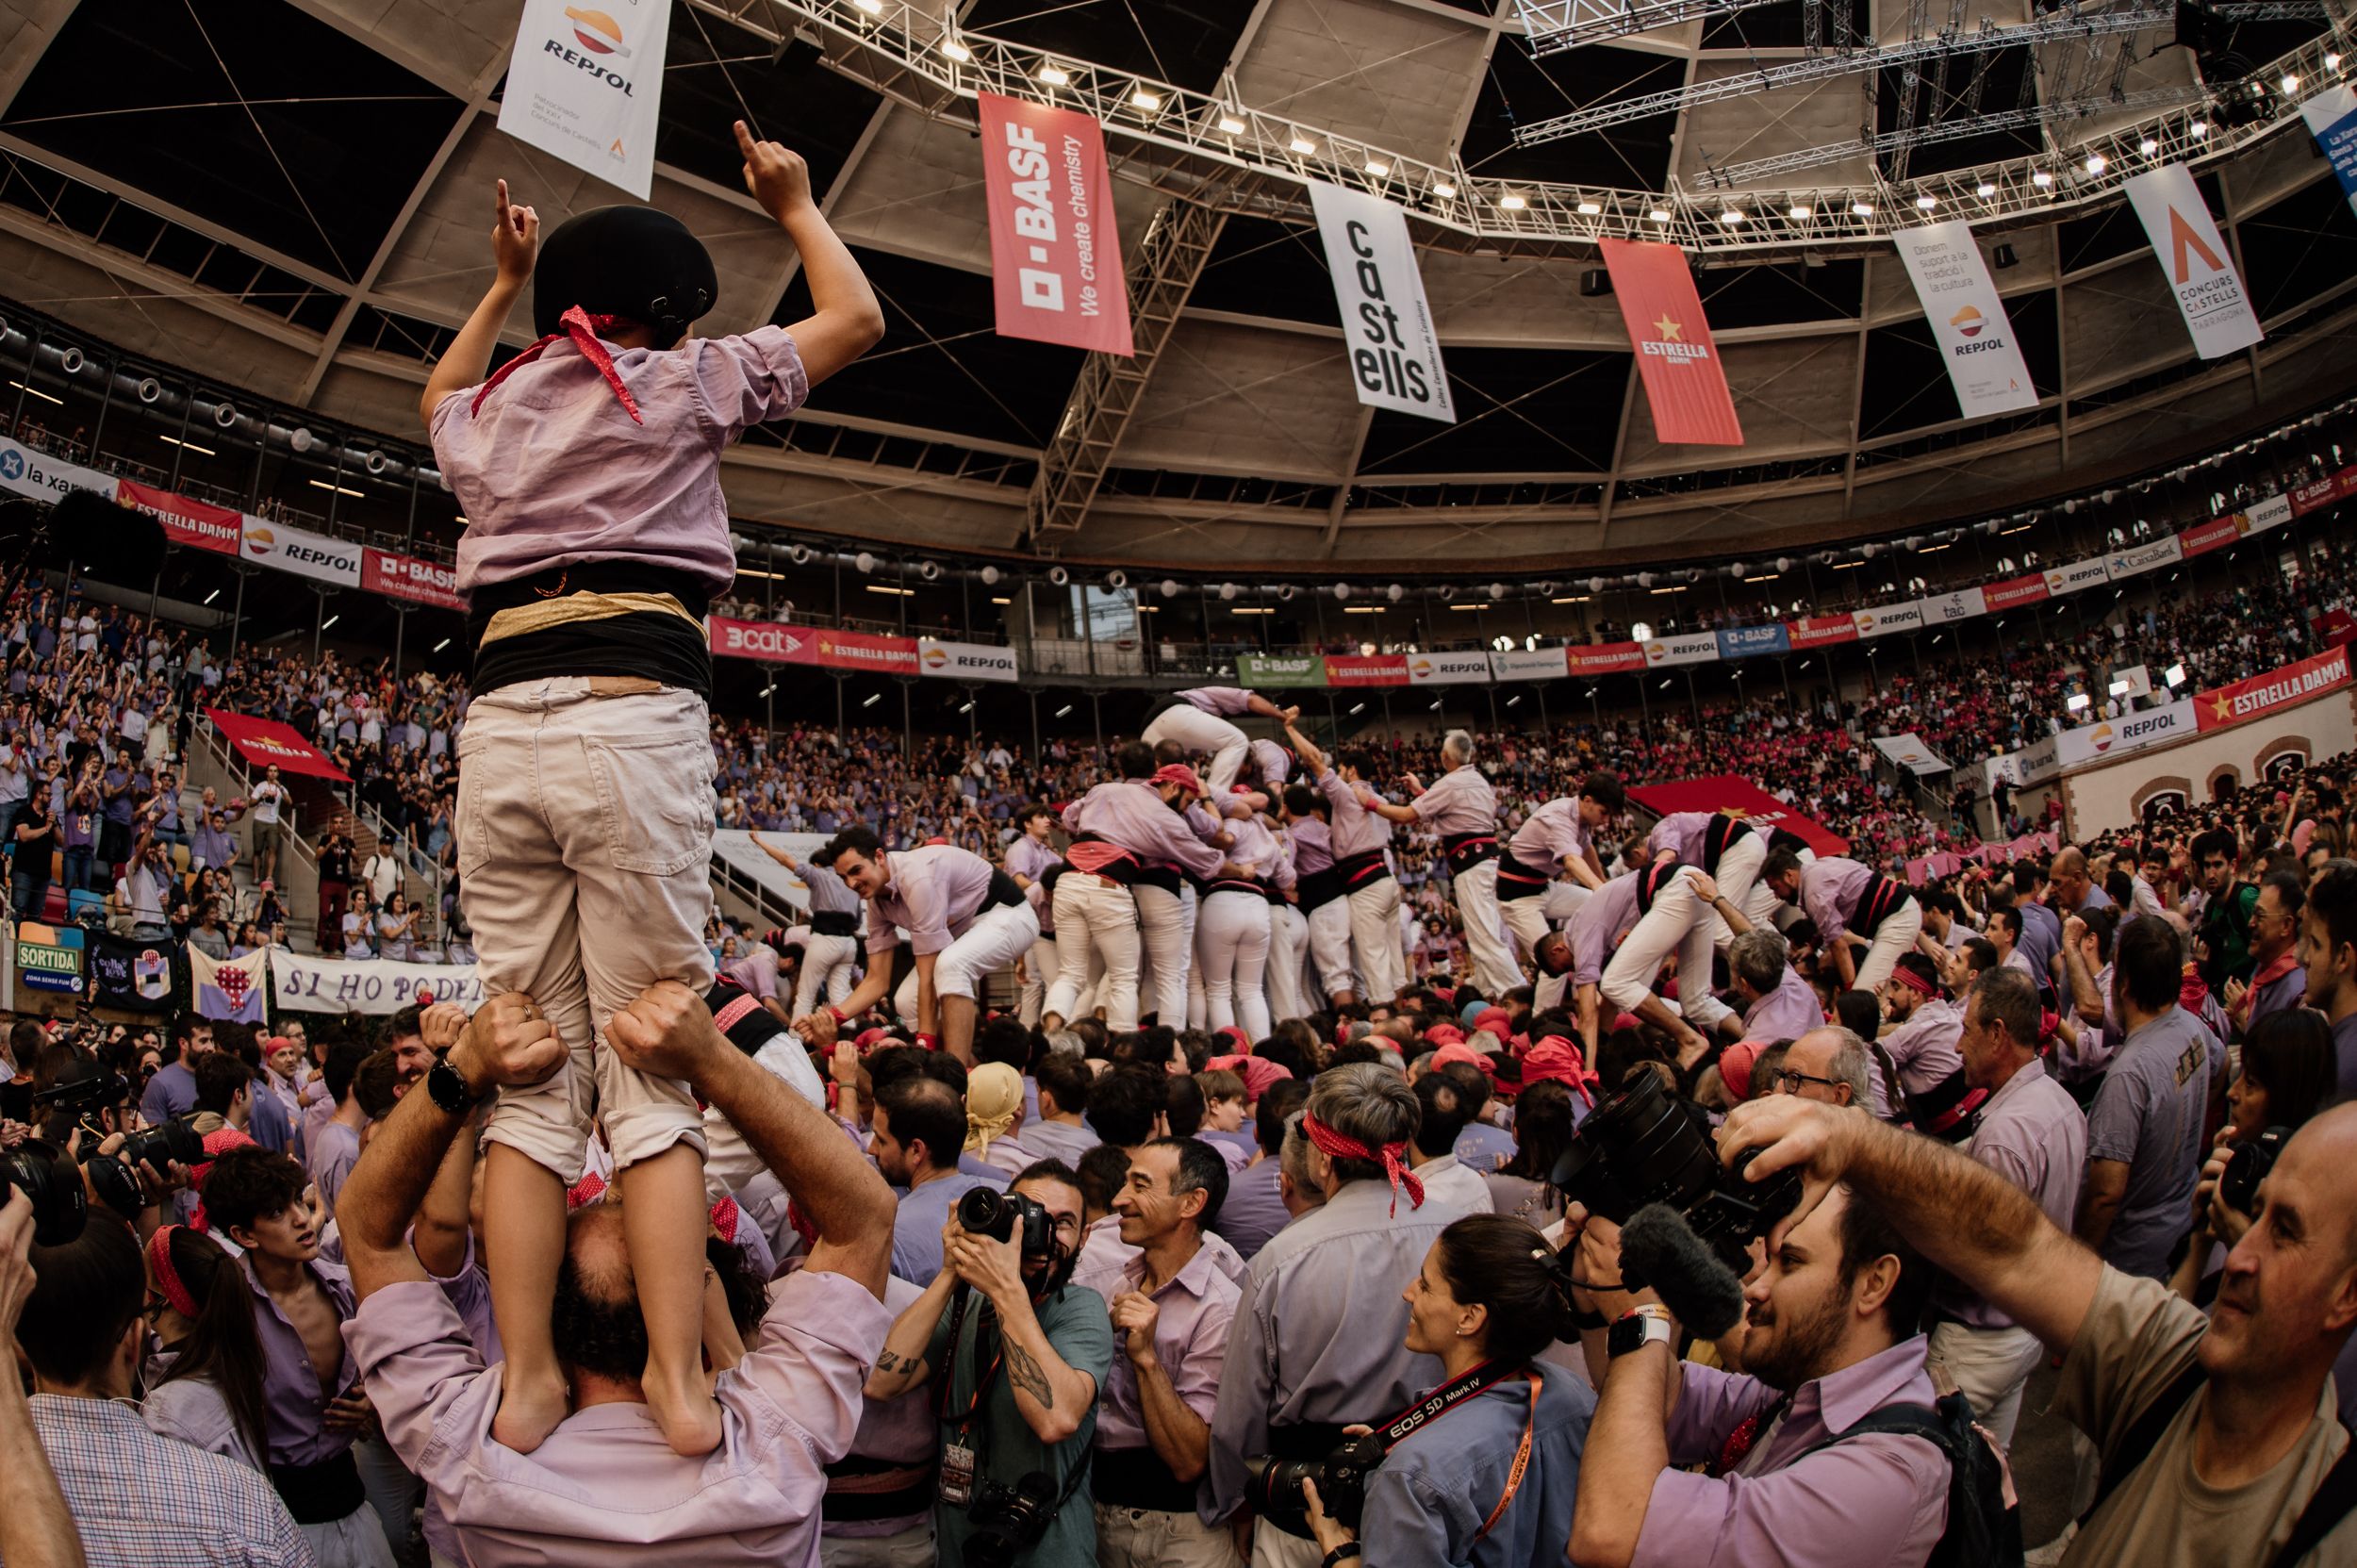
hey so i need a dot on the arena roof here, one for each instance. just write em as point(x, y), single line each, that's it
point(292, 195)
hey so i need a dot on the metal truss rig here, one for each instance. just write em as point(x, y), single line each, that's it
point(1736, 176)
point(1553, 27)
point(1221, 153)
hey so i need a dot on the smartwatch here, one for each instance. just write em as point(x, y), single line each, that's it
point(448, 1087)
point(1636, 1328)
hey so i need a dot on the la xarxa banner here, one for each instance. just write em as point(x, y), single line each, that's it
point(1604, 659)
point(1447, 670)
point(1817, 630)
point(26, 472)
point(306, 983)
point(2331, 117)
point(830, 650)
point(1540, 664)
point(1685, 385)
point(1055, 266)
point(266, 743)
point(1387, 327)
point(1741, 798)
point(1688, 648)
point(2202, 276)
point(586, 84)
point(2286, 688)
point(300, 551)
point(410, 577)
point(966, 661)
point(1368, 670)
point(2115, 738)
point(1281, 669)
point(1969, 321)
point(197, 524)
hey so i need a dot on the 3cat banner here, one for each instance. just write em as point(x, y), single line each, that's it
point(2200, 269)
point(1394, 349)
point(586, 84)
point(1055, 262)
point(1684, 383)
point(1968, 319)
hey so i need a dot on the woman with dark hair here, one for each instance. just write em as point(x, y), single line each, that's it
point(2288, 1074)
point(205, 1387)
point(1543, 1131)
point(1486, 1469)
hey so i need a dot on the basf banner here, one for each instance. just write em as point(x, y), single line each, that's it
point(410, 577)
point(966, 661)
point(1968, 319)
point(301, 552)
point(2201, 275)
point(1256, 670)
point(586, 86)
point(1447, 670)
point(1055, 265)
point(2331, 117)
point(197, 524)
point(1690, 648)
point(2286, 688)
point(1743, 642)
point(1685, 385)
point(1387, 327)
point(1544, 663)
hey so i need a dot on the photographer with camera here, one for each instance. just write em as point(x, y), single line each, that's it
point(1317, 1342)
point(1015, 1357)
point(1483, 1469)
point(2219, 1439)
point(2287, 1077)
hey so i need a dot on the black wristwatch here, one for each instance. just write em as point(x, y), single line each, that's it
point(1343, 1553)
point(448, 1086)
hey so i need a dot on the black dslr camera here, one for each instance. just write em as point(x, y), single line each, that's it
point(115, 1177)
point(986, 1211)
point(47, 1177)
point(1008, 1521)
point(1640, 1147)
point(1272, 1486)
point(80, 1098)
point(2238, 1183)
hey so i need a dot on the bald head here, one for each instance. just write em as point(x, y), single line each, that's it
point(2288, 1295)
point(2069, 862)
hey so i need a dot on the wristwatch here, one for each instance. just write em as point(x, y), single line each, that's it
point(448, 1086)
point(1638, 1327)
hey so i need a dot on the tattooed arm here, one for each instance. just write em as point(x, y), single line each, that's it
point(900, 1364)
point(1052, 1398)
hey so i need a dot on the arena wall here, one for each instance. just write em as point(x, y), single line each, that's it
point(2112, 795)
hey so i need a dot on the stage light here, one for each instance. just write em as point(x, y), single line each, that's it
point(1659, 215)
point(1443, 189)
point(1303, 145)
point(1926, 201)
point(1985, 189)
point(2040, 178)
point(1800, 211)
point(955, 50)
point(1231, 126)
point(1861, 209)
point(1376, 167)
point(1512, 203)
point(1590, 209)
point(1054, 75)
point(2095, 163)
point(1143, 99)
point(2076, 701)
point(2148, 146)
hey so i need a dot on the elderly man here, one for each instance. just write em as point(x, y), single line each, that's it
point(1777, 1004)
point(1462, 809)
point(1829, 1064)
point(1318, 1340)
point(605, 1486)
point(2074, 890)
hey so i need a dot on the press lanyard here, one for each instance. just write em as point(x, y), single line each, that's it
point(1469, 1384)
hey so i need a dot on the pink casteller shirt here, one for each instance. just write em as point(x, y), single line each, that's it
point(552, 470)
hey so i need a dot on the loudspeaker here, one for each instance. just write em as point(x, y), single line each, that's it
point(1594, 282)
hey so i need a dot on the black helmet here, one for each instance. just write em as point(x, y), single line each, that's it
point(634, 262)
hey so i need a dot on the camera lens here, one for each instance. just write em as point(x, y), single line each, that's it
point(43, 1174)
point(983, 1211)
point(2248, 1165)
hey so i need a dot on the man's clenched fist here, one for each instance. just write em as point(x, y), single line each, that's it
point(668, 1032)
point(508, 1041)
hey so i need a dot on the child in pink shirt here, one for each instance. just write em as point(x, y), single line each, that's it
point(597, 535)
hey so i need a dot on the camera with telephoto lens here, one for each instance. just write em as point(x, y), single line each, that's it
point(1640, 1147)
point(2238, 1183)
point(1008, 1521)
point(1272, 1486)
point(115, 1177)
point(986, 1211)
point(47, 1177)
point(81, 1097)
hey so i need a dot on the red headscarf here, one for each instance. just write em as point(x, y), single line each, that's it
point(1341, 1146)
point(583, 328)
point(1556, 1057)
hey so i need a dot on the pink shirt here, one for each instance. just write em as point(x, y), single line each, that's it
point(1925, 1048)
point(1353, 830)
point(1830, 889)
point(934, 893)
point(1131, 815)
point(1460, 801)
point(1787, 1012)
point(1551, 836)
point(1597, 924)
point(1224, 702)
point(1190, 1340)
point(605, 1485)
point(552, 470)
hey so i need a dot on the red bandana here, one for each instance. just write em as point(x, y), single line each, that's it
point(1341, 1146)
point(583, 328)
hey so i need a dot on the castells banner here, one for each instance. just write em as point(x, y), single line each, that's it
point(1055, 265)
point(586, 85)
point(1394, 349)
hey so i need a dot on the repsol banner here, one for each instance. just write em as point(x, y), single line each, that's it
point(966, 661)
point(2114, 737)
point(586, 85)
point(1447, 670)
point(300, 551)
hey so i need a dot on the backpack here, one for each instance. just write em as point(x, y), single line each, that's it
point(1983, 1528)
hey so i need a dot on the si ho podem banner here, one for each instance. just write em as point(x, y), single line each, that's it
point(1055, 264)
point(586, 85)
point(1969, 321)
point(307, 984)
point(2202, 276)
point(1395, 352)
point(2331, 117)
point(1685, 385)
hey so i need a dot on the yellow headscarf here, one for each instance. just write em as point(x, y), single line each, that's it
point(994, 1098)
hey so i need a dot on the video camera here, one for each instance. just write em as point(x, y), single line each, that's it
point(986, 1211)
point(1272, 1487)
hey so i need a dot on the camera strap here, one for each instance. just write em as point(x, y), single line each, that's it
point(1471, 1384)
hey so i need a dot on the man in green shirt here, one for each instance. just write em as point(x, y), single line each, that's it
point(2225, 929)
point(1014, 1358)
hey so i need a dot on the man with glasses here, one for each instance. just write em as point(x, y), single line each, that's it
point(1829, 1064)
point(2277, 980)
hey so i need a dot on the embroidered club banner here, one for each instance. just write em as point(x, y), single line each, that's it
point(196, 524)
point(2331, 117)
point(373, 985)
point(1685, 385)
point(266, 743)
point(1055, 264)
point(230, 990)
point(1968, 319)
point(1395, 352)
point(586, 85)
point(132, 974)
point(2201, 270)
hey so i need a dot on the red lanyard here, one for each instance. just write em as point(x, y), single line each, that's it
point(1448, 1397)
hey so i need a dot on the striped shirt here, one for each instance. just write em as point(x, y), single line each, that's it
point(139, 1499)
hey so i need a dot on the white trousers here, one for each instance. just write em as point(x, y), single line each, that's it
point(1143, 1538)
point(1738, 878)
point(827, 962)
point(1375, 938)
point(1678, 923)
point(1328, 930)
point(1232, 943)
point(995, 939)
point(1287, 939)
point(1162, 925)
point(1895, 935)
point(1494, 966)
point(1992, 1366)
point(1039, 967)
point(1095, 919)
point(1209, 733)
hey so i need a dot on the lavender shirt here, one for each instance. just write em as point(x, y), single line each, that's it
point(1879, 1498)
point(1190, 1340)
point(2147, 1116)
point(1253, 1212)
point(1353, 828)
point(552, 470)
point(1027, 857)
point(1551, 836)
point(1220, 702)
point(1460, 801)
point(1924, 1048)
point(1130, 814)
point(1787, 1012)
point(294, 1403)
point(1312, 846)
point(1596, 927)
point(605, 1485)
point(1830, 889)
point(934, 891)
point(1682, 832)
point(2031, 1133)
point(333, 1149)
